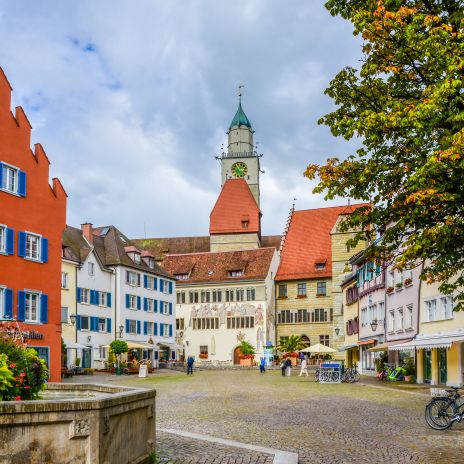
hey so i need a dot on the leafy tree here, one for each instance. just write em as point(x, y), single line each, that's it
point(118, 347)
point(246, 348)
point(406, 104)
point(292, 344)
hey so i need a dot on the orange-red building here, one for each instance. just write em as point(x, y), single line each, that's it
point(32, 219)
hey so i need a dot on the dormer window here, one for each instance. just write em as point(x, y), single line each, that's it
point(320, 266)
point(133, 253)
point(182, 276)
point(245, 224)
point(236, 273)
point(136, 258)
point(151, 263)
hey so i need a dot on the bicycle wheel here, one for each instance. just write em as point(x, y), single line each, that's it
point(440, 412)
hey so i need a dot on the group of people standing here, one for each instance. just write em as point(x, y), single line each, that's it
point(286, 366)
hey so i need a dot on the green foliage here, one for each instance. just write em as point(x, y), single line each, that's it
point(111, 357)
point(409, 367)
point(119, 347)
point(292, 344)
point(246, 348)
point(6, 376)
point(78, 362)
point(406, 105)
point(29, 372)
point(380, 361)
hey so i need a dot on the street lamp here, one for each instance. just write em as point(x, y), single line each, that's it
point(374, 325)
point(121, 328)
point(73, 319)
point(337, 331)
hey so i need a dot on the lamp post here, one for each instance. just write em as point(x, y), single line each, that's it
point(121, 328)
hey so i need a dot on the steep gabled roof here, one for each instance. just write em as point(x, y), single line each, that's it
point(216, 266)
point(308, 242)
point(75, 247)
point(234, 207)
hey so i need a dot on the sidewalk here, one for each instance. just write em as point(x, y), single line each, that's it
point(421, 389)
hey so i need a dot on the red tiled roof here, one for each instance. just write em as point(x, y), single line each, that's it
point(216, 266)
point(308, 242)
point(235, 205)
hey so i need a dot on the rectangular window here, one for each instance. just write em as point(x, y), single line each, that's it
point(240, 294)
point(85, 292)
point(283, 291)
point(240, 322)
point(324, 340)
point(229, 295)
point(391, 279)
point(204, 350)
point(363, 316)
point(320, 266)
point(285, 317)
point(180, 324)
point(164, 307)
point(400, 320)
point(64, 280)
point(251, 294)
point(2, 239)
point(408, 323)
point(431, 310)
point(399, 278)
point(102, 298)
point(193, 296)
point(101, 324)
point(32, 246)
point(320, 315)
point(9, 178)
point(180, 297)
point(165, 330)
point(84, 322)
point(321, 288)
point(149, 328)
point(150, 281)
point(132, 302)
point(203, 323)
point(302, 289)
point(149, 305)
point(303, 315)
point(91, 268)
point(446, 303)
point(217, 296)
point(182, 276)
point(133, 278)
point(391, 321)
point(64, 315)
point(236, 273)
point(132, 326)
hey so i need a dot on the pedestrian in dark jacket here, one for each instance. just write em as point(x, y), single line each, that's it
point(288, 367)
point(283, 366)
point(190, 362)
point(262, 365)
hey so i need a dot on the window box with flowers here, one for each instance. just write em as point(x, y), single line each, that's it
point(390, 289)
point(203, 355)
point(247, 353)
point(399, 286)
point(407, 282)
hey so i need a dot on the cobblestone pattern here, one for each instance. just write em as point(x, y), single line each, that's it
point(181, 450)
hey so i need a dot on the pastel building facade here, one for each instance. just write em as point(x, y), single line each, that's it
point(32, 218)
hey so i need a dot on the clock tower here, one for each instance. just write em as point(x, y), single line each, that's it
point(241, 161)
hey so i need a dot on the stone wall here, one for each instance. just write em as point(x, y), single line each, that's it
point(112, 425)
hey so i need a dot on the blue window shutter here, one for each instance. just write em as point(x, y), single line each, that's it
point(8, 309)
point(22, 244)
point(92, 299)
point(139, 303)
point(79, 325)
point(170, 330)
point(145, 327)
point(127, 326)
point(145, 304)
point(155, 283)
point(44, 253)
point(161, 285)
point(155, 306)
point(138, 327)
point(92, 324)
point(170, 287)
point(9, 241)
point(170, 309)
point(127, 301)
point(44, 308)
point(108, 300)
point(21, 305)
point(1, 175)
point(155, 328)
point(108, 325)
point(145, 281)
point(78, 294)
point(22, 183)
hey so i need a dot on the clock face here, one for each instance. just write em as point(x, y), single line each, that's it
point(239, 169)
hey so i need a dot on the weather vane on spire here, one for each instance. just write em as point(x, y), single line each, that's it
point(240, 87)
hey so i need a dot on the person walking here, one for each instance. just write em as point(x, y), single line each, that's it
point(304, 367)
point(283, 366)
point(262, 365)
point(190, 362)
point(288, 367)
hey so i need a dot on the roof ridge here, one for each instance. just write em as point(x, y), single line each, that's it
point(220, 251)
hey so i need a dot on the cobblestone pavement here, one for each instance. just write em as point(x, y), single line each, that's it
point(181, 450)
point(346, 423)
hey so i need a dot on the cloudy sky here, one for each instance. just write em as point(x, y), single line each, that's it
point(131, 101)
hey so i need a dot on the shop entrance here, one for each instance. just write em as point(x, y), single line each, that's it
point(86, 357)
point(427, 366)
point(442, 366)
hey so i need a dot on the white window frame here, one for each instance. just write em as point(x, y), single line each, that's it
point(102, 299)
point(400, 319)
point(446, 306)
point(150, 328)
point(66, 320)
point(104, 324)
point(409, 323)
point(132, 278)
point(64, 281)
point(164, 307)
point(91, 269)
point(381, 311)
point(150, 304)
point(2, 302)
point(2, 238)
point(134, 323)
point(132, 302)
point(399, 277)
point(165, 332)
point(137, 258)
point(85, 296)
point(391, 321)
point(12, 174)
point(29, 247)
point(29, 297)
point(150, 282)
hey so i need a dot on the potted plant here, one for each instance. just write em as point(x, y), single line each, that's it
point(247, 353)
point(390, 289)
point(119, 347)
point(409, 369)
point(399, 285)
point(203, 355)
point(407, 282)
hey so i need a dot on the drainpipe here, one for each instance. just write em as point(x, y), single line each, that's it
point(418, 314)
point(75, 325)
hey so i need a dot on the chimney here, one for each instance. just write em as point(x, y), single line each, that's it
point(87, 230)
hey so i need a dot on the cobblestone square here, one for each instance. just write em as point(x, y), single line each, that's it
point(346, 423)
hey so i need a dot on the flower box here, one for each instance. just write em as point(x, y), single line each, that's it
point(390, 289)
point(399, 285)
point(203, 356)
point(408, 282)
point(246, 361)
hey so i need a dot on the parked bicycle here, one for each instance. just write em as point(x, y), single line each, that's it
point(444, 409)
point(350, 375)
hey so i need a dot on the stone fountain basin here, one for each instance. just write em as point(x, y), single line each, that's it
point(79, 423)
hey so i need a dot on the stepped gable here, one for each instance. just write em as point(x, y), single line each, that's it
point(236, 210)
point(217, 266)
point(308, 243)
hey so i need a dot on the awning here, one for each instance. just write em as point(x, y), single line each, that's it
point(383, 346)
point(172, 346)
point(73, 345)
point(367, 342)
point(428, 343)
point(347, 347)
point(137, 346)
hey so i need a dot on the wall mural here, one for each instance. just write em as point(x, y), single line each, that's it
point(223, 310)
